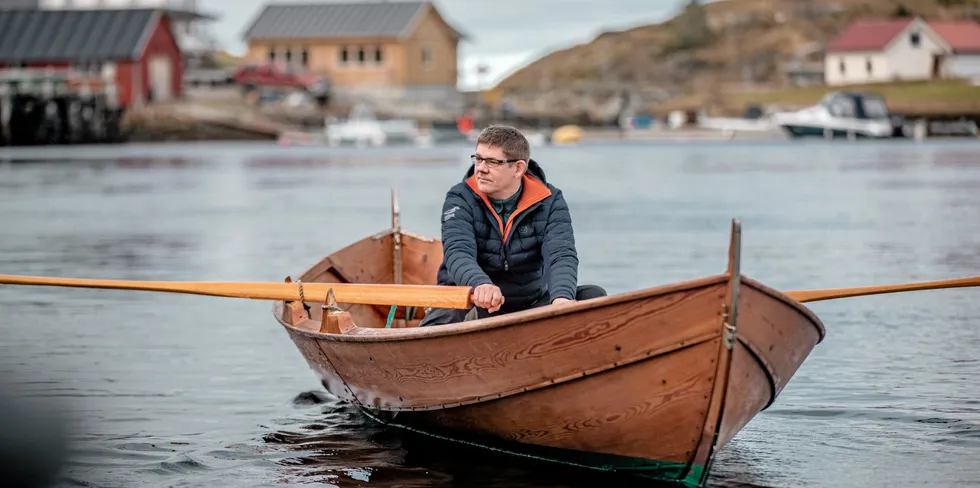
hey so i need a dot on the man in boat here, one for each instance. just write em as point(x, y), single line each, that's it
point(507, 233)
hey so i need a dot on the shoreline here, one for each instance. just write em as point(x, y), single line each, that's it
point(224, 118)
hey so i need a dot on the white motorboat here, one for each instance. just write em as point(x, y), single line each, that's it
point(362, 128)
point(839, 114)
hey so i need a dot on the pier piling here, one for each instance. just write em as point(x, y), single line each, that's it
point(46, 107)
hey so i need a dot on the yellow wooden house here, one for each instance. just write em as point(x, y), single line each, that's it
point(387, 47)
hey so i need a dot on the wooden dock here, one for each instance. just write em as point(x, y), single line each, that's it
point(40, 107)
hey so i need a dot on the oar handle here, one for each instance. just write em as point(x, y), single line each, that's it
point(458, 297)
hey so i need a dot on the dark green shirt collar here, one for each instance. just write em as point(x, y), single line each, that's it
point(506, 207)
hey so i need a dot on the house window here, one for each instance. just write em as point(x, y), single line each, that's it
point(271, 55)
point(915, 39)
point(289, 55)
point(868, 66)
point(305, 57)
point(841, 65)
point(426, 57)
point(360, 55)
point(344, 55)
point(377, 55)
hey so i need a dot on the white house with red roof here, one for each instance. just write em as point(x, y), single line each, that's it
point(963, 40)
point(870, 51)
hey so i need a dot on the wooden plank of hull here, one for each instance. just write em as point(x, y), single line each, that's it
point(421, 258)
point(321, 365)
point(779, 333)
point(648, 414)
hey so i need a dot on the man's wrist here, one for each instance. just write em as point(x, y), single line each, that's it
point(480, 281)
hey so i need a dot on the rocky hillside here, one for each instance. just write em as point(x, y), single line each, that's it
point(706, 49)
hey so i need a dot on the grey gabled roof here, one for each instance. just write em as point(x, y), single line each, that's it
point(20, 3)
point(33, 36)
point(347, 19)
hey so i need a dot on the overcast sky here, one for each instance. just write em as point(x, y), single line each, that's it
point(504, 34)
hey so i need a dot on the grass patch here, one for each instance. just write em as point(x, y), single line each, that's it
point(914, 98)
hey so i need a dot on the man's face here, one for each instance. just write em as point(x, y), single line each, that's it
point(492, 176)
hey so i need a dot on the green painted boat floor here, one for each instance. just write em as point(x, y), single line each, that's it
point(664, 472)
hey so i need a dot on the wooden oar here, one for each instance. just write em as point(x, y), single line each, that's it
point(816, 295)
point(368, 294)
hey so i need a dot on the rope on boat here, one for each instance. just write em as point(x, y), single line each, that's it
point(302, 298)
point(484, 446)
point(391, 316)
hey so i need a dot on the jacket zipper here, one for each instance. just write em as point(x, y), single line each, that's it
point(513, 228)
point(503, 238)
point(503, 245)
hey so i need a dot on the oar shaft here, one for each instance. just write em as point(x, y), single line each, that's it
point(817, 295)
point(368, 294)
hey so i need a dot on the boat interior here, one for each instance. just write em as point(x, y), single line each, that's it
point(393, 256)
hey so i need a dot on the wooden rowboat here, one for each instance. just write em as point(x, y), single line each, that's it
point(652, 382)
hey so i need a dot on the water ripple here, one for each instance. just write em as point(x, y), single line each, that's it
point(180, 390)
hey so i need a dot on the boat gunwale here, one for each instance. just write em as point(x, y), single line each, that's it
point(778, 295)
point(372, 334)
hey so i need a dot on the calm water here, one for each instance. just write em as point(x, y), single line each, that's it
point(180, 390)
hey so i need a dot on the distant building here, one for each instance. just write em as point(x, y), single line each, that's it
point(962, 39)
point(378, 48)
point(135, 48)
point(19, 3)
point(188, 22)
point(870, 51)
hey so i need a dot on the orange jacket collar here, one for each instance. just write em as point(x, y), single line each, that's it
point(534, 191)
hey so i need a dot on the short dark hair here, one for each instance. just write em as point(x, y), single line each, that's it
point(508, 139)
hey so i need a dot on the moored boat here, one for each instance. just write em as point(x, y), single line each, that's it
point(652, 382)
point(839, 114)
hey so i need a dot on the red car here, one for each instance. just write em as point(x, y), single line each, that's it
point(252, 77)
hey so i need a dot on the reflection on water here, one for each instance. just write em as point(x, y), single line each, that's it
point(340, 446)
point(170, 390)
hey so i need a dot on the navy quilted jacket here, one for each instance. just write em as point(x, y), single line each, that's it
point(530, 257)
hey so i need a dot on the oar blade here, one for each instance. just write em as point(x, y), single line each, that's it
point(804, 296)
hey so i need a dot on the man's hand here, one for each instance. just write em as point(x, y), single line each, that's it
point(488, 296)
point(560, 300)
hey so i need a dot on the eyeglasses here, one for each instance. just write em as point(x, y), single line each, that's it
point(491, 162)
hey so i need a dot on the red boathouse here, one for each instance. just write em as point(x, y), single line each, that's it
point(135, 48)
